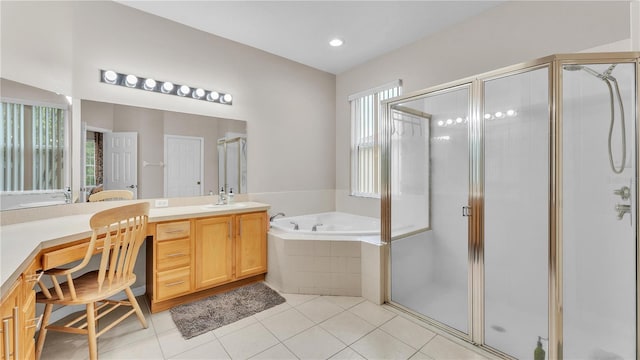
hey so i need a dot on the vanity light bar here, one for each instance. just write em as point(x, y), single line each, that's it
point(164, 87)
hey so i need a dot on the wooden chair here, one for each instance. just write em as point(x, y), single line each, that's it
point(121, 231)
point(111, 195)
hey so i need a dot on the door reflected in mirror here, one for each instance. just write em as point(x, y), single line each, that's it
point(157, 153)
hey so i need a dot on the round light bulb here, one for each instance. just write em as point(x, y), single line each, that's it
point(227, 98)
point(459, 120)
point(110, 77)
point(131, 80)
point(440, 123)
point(198, 93)
point(336, 42)
point(499, 114)
point(487, 116)
point(213, 96)
point(166, 87)
point(184, 90)
point(149, 84)
point(449, 121)
point(511, 112)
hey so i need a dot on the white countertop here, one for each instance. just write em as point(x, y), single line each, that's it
point(19, 243)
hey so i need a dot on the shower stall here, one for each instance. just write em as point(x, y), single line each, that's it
point(509, 207)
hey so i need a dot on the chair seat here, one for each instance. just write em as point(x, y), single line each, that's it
point(86, 287)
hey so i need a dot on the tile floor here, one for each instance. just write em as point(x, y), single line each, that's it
point(304, 327)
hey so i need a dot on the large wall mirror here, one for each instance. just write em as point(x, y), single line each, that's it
point(34, 146)
point(152, 153)
point(156, 153)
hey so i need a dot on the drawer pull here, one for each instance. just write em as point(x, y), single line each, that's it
point(175, 255)
point(174, 231)
point(36, 321)
point(175, 283)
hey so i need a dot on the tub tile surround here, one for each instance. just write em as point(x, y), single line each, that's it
point(325, 267)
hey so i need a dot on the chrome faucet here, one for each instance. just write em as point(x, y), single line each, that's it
point(275, 216)
point(622, 209)
point(315, 227)
point(295, 225)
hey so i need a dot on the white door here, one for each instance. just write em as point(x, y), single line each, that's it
point(121, 161)
point(183, 166)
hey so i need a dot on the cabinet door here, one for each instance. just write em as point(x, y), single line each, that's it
point(251, 244)
point(10, 325)
point(214, 251)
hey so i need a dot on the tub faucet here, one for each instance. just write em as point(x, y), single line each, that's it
point(622, 209)
point(275, 216)
point(295, 225)
point(315, 227)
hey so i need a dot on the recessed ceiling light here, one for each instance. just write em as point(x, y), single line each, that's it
point(336, 42)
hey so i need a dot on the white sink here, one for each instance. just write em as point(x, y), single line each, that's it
point(238, 205)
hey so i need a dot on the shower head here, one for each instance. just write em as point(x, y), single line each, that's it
point(576, 67)
point(573, 67)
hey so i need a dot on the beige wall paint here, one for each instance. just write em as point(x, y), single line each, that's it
point(510, 33)
point(289, 107)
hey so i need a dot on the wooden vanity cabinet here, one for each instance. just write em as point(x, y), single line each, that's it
point(200, 257)
point(18, 317)
point(214, 251)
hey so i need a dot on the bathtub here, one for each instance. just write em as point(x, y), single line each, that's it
point(329, 224)
point(342, 257)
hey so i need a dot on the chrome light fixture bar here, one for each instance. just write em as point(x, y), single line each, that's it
point(164, 87)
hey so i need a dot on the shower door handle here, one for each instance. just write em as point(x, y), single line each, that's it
point(466, 211)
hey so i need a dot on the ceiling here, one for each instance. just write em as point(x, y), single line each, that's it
point(300, 30)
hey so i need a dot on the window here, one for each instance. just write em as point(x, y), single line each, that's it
point(365, 162)
point(32, 152)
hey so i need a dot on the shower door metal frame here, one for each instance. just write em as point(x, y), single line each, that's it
point(555, 65)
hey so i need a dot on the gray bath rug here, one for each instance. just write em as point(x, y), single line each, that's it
point(204, 315)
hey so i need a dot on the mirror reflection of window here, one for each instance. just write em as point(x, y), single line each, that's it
point(32, 147)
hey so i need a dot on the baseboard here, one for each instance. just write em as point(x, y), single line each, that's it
point(64, 311)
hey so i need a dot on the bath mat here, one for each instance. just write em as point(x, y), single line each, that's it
point(204, 315)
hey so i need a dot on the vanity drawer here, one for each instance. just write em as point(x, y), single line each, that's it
point(171, 283)
point(173, 253)
point(173, 230)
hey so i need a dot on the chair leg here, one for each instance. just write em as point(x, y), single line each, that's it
point(91, 327)
point(136, 307)
point(43, 329)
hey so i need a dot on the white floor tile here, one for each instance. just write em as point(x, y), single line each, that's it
point(314, 343)
point(288, 323)
point(297, 299)
point(441, 348)
point(210, 350)
point(347, 354)
point(62, 346)
point(344, 302)
point(374, 314)
point(172, 342)
point(235, 326)
point(408, 332)
point(420, 356)
point(379, 345)
point(319, 309)
point(278, 352)
point(347, 327)
point(147, 348)
point(248, 341)
point(129, 331)
point(162, 321)
point(272, 311)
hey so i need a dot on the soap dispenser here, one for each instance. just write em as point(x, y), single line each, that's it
point(538, 353)
point(230, 196)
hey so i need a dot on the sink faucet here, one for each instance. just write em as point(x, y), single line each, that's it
point(275, 216)
point(295, 225)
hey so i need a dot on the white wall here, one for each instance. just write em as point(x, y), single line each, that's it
point(508, 34)
point(289, 107)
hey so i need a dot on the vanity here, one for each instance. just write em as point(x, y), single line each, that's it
point(191, 252)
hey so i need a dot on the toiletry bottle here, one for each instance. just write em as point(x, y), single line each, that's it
point(538, 353)
point(230, 196)
point(221, 198)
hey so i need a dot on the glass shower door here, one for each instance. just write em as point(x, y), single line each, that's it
point(599, 211)
point(429, 160)
point(516, 212)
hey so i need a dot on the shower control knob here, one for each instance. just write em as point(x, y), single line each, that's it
point(624, 192)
